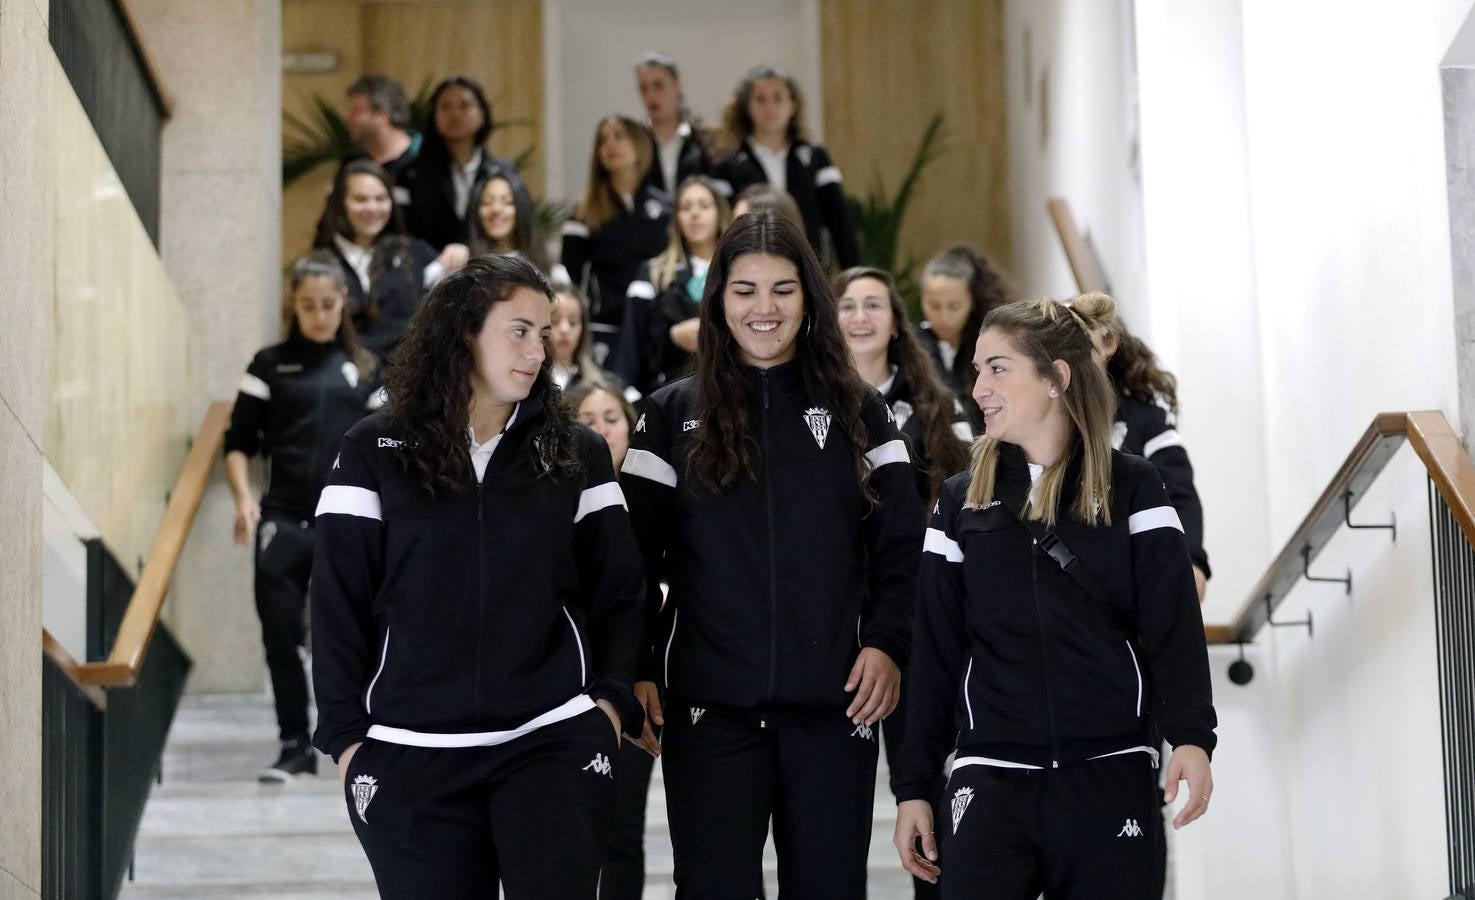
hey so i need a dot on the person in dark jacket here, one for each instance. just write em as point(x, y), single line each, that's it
point(453, 165)
point(1057, 630)
point(773, 493)
point(505, 220)
point(765, 129)
point(1147, 403)
point(660, 331)
point(295, 401)
point(680, 146)
point(387, 271)
point(959, 287)
point(378, 121)
point(476, 609)
point(620, 223)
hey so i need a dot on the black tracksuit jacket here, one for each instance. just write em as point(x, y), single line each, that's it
point(398, 273)
point(646, 358)
point(433, 216)
point(690, 160)
point(814, 182)
point(777, 584)
point(607, 258)
point(1143, 429)
point(1014, 662)
point(898, 396)
point(471, 611)
point(294, 403)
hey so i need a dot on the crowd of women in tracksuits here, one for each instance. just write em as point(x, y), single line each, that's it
point(688, 496)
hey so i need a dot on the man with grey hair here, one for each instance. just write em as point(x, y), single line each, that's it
point(378, 120)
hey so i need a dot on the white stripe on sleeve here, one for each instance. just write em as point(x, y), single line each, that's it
point(827, 175)
point(1157, 517)
point(1169, 438)
point(944, 546)
point(575, 228)
point(252, 386)
point(349, 501)
point(723, 186)
point(642, 289)
point(894, 451)
point(647, 465)
point(964, 431)
point(598, 497)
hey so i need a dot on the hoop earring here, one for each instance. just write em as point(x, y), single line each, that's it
point(808, 325)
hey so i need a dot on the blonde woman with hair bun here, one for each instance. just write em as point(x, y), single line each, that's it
point(1057, 641)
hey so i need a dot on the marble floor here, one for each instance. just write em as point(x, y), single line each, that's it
point(211, 832)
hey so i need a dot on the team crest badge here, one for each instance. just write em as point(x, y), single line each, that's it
point(640, 425)
point(818, 420)
point(696, 714)
point(653, 209)
point(961, 799)
point(901, 411)
point(351, 374)
point(364, 789)
point(1118, 435)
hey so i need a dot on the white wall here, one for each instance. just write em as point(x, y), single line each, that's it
point(1295, 274)
point(590, 47)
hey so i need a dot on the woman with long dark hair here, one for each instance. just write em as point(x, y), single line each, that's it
point(620, 223)
point(764, 126)
point(1057, 633)
point(453, 164)
point(295, 401)
point(959, 287)
point(680, 147)
point(386, 270)
point(476, 609)
point(660, 332)
point(774, 494)
point(506, 221)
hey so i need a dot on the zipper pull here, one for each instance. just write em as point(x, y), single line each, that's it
point(763, 377)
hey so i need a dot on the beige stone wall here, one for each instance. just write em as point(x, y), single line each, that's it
point(120, 374)
point(24, 266)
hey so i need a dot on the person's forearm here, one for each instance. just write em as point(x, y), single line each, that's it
point(237, 472)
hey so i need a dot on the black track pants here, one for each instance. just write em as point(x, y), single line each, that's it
point(893, 732)
point(728, 772)
point(1082, 832)
point(533, 813)
point(283, 566)
point(623, 876)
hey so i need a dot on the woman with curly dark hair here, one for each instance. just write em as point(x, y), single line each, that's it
point(764, 127)
point(476, 609)
point(774, 494)
point(959, 287)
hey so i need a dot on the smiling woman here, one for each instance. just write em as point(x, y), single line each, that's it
point(476, 605)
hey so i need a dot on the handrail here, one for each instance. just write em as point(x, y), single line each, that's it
point(71, 668)
point(125, 660)
point(1083, 262)
point(1449, 468)
point(146, 59)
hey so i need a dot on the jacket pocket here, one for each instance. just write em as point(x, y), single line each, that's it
point(579, 646)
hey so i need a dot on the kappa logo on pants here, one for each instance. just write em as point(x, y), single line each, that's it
point(864, 732)
point(268, 531)
point(961, 798)
point(696, 714)
point(600, 765)
point(1131, 829)
point(364, 789)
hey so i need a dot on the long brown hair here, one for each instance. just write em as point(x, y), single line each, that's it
point(1133, 367)
point(599, 203)
point(737, 124)
point(322, 264)
point(725, 450)
point(1044, 331)
point(663, 267)
point(429, 386)
point(564, 292)
point(988, 288)
point(932, 402)
point(391, 246)
point(524, 238)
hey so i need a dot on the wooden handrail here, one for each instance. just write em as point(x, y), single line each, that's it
point(1449, 468)
point(72, 669)
point(124, 661)
point(1083, 263)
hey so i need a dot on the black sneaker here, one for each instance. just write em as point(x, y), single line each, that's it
point(297, 758)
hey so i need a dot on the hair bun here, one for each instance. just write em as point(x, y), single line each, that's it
point(1096, 308)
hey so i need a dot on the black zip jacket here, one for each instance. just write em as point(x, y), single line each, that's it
point(1019, 664)
point(776, 585)
point(691, 160)
point(606, 259)
point(294, 403)
point(433, 216)
point(898, 395)
point(646, 358)
point(958, 377)
point(1143, 429)
point(398, 283)
point(475, 611)
point(815, 184)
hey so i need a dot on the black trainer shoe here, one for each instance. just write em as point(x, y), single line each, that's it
point(297, 758)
